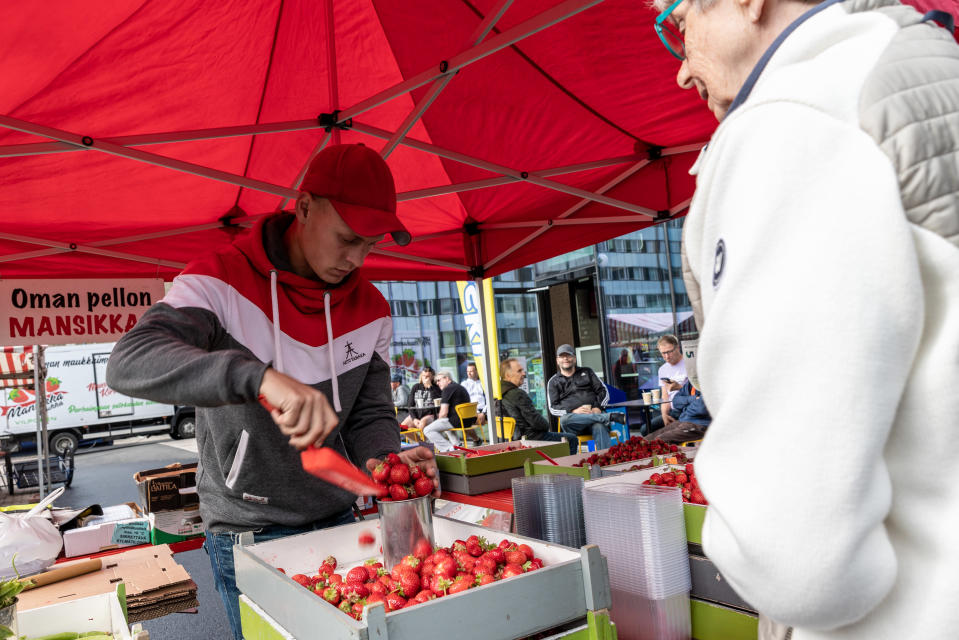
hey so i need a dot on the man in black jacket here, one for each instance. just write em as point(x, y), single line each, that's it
point(517, 404)
point(577, 396)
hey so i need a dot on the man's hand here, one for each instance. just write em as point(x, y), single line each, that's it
point(585, 408)
point(422, 458)
point(596, 410)
point(299, 410)
point(668, 419)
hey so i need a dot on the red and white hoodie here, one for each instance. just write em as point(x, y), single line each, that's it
point(227, 317)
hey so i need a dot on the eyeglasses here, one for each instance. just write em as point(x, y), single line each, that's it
point(669, 34)
point(666, 353)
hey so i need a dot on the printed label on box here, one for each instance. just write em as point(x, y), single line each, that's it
point(179, 522)
point(128, 533)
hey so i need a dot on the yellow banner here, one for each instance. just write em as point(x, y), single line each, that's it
point(470, 302)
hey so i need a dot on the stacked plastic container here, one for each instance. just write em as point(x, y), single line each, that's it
point(640, 530)
point(550, 507)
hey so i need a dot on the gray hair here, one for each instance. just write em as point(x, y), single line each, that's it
point(445, 374)
point(506, 366)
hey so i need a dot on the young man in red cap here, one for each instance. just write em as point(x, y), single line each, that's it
point(282, 314)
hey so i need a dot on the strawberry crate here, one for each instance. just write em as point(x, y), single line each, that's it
point(693, 514)
point(503, 458)
point(572, 583)
point(594, 471)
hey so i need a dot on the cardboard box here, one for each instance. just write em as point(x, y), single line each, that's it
point(101, 612)
point(168, 488)
point(175, 525)
point(122, 525)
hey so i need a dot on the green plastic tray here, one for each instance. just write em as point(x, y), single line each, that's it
point(479, 465)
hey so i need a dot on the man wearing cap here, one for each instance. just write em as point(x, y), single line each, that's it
point(281, 315)
point(577, 396)
point(401, 396)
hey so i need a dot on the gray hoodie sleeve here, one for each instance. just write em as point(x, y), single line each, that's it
point(183, 356)
point(371, 430)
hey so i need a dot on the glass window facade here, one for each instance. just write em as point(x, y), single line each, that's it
point(641, 298)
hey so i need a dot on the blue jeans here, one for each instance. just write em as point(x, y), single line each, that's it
point(556, 436)
point(219, 546)
point(595, 423)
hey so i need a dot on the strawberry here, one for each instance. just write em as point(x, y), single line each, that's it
point(415, 473)
point(395, 601)
point(346, 607)
point(424, 596)
point(375, 597)
point(512, 570)
point(358, 608)
point(504, 543)
point(399, 492)
point(498, 555)
point(301, 579)
point(422, 548)
point(484, 566)
point(355, 591)
point(381, 473)
point(281, 570)
point(411, 561)
point(689, 468)
point(423, 486)
point(484, 579)
point(516, 557)
point(366, 539)
point(331, 595)
point(528, 550)
point(459, 585)
point(392, 459)
point(474, 549)
point(335, 578)
point(440, 585)
point(377, 588)
point(400, 474)
point(329, 562)
point(357, 575)
point(445, 568)
point(409, 584)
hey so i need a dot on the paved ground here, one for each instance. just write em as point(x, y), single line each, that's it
point(104, 475)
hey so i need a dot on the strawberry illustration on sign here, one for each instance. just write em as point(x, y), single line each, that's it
point(409, 357)
point(18, 396)
point(52, 384)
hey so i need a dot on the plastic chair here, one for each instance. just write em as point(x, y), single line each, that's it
point(505, 427)
point(413, 435)
point(465, 411)
point(591, 444)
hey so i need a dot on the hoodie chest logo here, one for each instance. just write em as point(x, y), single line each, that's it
point(352, 355)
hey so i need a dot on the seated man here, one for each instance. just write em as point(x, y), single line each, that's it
point(439, 431)
point(474, 387)
point(517, 404)
point(577, 397)
point(421, 407)
point(401, 396)
point(689, 417)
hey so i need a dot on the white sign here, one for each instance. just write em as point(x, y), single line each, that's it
point(73, 311)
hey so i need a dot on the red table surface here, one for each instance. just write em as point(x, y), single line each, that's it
point(501, 500)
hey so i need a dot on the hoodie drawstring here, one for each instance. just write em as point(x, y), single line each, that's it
point(278, 357)
point(329, 345)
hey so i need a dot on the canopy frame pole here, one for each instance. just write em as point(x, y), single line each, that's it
point(576, 207)
point(519, 175)
point(145, 156)
point(437, 87)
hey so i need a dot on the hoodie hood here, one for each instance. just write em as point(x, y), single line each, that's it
point(306, 294)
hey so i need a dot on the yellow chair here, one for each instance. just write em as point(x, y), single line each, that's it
point(466, 411)
point(413, 435)
point(505, 427)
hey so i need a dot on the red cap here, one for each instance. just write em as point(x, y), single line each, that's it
point(359, 184)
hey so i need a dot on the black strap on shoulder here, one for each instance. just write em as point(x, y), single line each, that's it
point(944, 18)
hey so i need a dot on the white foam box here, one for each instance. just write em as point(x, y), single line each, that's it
point(122, 525)
point(101, 612)
point(571, 582)
point(175, 525)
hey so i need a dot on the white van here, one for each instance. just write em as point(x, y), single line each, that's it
point(80, 406)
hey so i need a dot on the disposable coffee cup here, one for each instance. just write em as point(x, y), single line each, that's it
point(647, 397)
point(655, 393)
point(437, 402)
point(420, 403)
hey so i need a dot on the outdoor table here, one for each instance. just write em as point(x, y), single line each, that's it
point(647, 408)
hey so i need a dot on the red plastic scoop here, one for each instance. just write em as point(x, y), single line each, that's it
point(329, 466)
point(456, 446)
point(547, 457)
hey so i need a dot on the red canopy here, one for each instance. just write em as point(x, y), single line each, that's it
point(142, 132)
